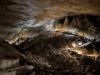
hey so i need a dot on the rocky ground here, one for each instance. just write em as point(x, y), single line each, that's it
point(49, 54)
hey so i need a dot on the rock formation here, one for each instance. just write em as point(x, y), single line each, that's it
point(49, 37)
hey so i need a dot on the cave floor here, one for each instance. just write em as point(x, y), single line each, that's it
point(47, 54)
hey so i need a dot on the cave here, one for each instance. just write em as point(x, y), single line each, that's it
point(49, 37)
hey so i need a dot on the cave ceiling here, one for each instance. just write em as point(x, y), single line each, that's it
point(17, 16)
